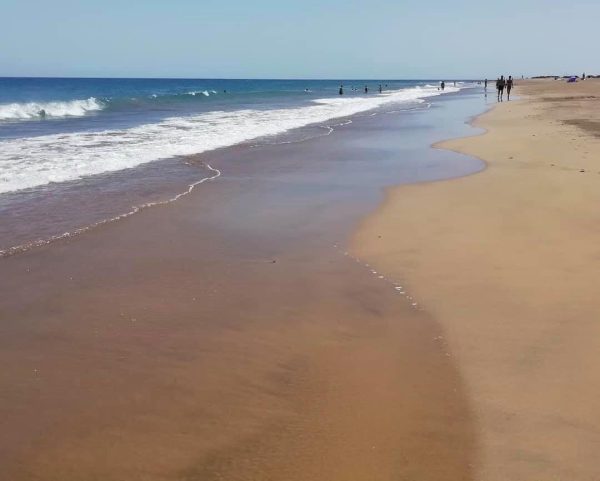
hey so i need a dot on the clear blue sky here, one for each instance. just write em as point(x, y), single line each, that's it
point(298, 39)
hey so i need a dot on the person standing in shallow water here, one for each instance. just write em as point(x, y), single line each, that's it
point(485, 84)
point(443, 85)
point(509, 86)
point(341, 90)
point(500, 84)
point(366, 89)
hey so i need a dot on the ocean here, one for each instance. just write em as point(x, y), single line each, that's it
point(74, 152)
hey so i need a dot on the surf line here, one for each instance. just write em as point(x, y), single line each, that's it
point(135, 209)
point(395, 285)
point(329, 127)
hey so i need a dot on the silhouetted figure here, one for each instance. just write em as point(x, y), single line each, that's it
point(341, 90)
point(485, 84)
point(380, 88)
point(509, 86)
point(366, 89)
point(583, 77)
point(500, 84)
point(443, 85)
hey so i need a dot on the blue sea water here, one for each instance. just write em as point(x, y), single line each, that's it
point(55, 130)
point(79, 104)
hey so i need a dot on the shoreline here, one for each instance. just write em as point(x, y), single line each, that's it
point(130, 189)
point(22, 248)
point(225, 336)
point(504, 261)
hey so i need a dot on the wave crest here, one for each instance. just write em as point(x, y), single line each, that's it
point(193, 93)
point(40, 110)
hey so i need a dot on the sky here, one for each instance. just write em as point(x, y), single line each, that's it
point(338, 39)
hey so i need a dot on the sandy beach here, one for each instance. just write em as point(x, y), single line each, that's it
point(299, 241)
point(288, 322)
point(507, 261)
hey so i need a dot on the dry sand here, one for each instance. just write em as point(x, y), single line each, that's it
point(508, 262)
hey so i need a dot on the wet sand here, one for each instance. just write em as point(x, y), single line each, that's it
point(225, 336)
point(507, 262)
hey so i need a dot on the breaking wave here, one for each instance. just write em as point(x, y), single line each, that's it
point(35, 161)
point(40, 110)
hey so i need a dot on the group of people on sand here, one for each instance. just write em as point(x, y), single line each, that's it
point(501, 85)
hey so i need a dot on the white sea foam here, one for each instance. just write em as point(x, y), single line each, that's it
point(35, 161)
point(36, 110)
point(206, 93)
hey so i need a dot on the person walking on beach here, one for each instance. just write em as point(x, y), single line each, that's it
point(500, 83)
point(509, 86)
point(485, 84)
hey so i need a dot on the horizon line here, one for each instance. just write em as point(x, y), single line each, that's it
point(229, 78)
